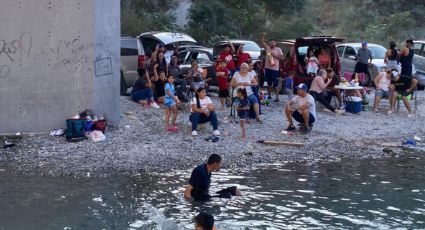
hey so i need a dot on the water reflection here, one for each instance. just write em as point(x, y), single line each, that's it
point(384, 194)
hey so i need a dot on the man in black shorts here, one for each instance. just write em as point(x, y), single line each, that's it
point(364, 58)
point(200, 181)
point(404, 86)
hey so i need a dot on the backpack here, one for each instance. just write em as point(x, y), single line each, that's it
point(75, 129)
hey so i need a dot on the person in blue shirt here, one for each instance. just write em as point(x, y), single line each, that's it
point(200, 181)
point(170, 102)
point(243, 110)
point(289, 84)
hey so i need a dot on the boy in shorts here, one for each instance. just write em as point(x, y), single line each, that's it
point(222, 73)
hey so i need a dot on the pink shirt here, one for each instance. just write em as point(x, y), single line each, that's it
point(318, 85)
point(276, 51)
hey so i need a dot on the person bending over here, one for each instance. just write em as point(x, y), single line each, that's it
point(142, 90)
point(404, 86)
point(200, 181)
point(319, 92)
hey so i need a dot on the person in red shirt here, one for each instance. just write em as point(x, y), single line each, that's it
point(227, 55)
point(242, 57)
point(222, 73)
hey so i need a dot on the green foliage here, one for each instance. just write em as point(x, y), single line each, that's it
point(139, 16)
point(377, 21)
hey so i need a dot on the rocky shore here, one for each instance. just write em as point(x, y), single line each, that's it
point(140, 142)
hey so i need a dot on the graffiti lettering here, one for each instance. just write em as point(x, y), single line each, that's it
point(20, 46)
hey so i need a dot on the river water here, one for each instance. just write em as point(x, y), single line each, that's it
point(359, 194)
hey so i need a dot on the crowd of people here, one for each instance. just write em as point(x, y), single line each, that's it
point(162, 81)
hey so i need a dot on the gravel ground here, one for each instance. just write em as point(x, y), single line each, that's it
point(140, 143)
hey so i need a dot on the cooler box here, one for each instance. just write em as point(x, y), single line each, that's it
point(354, 106)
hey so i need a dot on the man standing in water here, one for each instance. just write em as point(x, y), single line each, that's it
point(200, 181)
point(406, 58)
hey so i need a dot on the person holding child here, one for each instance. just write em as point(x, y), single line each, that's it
point(170, 102)
point(243, 79)
point(222, 73)
point(243, 109)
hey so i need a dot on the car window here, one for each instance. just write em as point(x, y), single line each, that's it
point(203, 58)
point(378, 52)
point(129, 47)
point(302, 50)
point(340, 50)
point(349, 51)
point(182, 55)
point(417, 48)
point(251, 46)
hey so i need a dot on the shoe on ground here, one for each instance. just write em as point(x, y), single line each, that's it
point(155, 105)
point(291, 128)
point(276, 100)
point(339, 112)
point(389, 112)
point(216, 133)
point(410, 115)
point(305, 129)
point(302, 125)
point(194, 133)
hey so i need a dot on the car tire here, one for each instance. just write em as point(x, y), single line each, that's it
point(123, 86)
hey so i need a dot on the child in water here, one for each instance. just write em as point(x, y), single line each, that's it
point(243, 109)
point(170, 102)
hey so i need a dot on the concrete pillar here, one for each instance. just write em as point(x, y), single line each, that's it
point(57, 58)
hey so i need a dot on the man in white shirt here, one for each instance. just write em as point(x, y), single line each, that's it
point(302, 108)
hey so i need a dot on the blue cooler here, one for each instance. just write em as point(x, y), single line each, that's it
point(354, 105)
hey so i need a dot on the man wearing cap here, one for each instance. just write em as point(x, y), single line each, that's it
point(302, 108)
point(363, 56)
point(404, 86)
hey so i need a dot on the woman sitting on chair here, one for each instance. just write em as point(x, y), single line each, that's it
point(245, 79)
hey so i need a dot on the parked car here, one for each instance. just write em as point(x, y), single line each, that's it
point(204, 58)
point(135, 51)
point(294, 52)
point(250, 47)
point(348, 55)
point(132, 58)
point(419, 62)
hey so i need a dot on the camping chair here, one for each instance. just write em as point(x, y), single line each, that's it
point(410, 97)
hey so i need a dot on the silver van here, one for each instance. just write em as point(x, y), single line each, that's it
point(419, 61)
point(136, 50)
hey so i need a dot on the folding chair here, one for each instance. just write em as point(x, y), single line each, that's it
point(410, 97)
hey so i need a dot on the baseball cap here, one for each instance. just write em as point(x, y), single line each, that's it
point(394, 74)
point(302, 87)
point(364, 43)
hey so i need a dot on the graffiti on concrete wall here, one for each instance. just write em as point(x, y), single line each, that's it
point(16, 48)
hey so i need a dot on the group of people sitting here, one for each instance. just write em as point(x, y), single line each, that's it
point(159, 82)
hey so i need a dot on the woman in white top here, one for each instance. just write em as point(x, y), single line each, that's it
point(202, 111)
point(245, 79)
point(382, 83)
